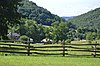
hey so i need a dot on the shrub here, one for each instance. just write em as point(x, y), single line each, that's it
point(23, 38)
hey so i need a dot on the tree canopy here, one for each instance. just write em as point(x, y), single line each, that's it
point(8, 15)
point(90, 20)
point(31, 11)
point(38, 23)
point(88, 24)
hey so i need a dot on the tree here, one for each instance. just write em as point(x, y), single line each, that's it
point(24, 38)
point(98, 36)
point(89, 36)
point(31, 29)
point(62, 31)
point(8, 15)
point(48, 32)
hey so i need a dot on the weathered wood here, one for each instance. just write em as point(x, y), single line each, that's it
point(15, 52)
point(84, 50)
point(63, 46)
point(14, 45)
point(21, 45)
point(48, 53)
point(60, 50)
point(97, 54)
point(94, 50)
point(28, 50)
point(79, 55)
point(82, 44)
point(75, 47)
point(49, 50)
point(98, 48)
point(48, 47)
point(12, 48)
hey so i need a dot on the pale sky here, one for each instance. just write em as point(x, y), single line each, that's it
point(68, 7)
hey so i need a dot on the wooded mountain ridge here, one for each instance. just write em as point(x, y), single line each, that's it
point(90, 19)
point(31, 11)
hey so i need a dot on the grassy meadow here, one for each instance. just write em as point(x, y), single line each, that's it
point(47, 61)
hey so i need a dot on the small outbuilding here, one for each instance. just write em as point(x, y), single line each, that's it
point(13, 36)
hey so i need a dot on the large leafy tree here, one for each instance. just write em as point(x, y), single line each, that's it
point(31, 29)
point(8, 15)
point(63, 31)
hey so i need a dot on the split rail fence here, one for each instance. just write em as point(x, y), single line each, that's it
point(63, 50)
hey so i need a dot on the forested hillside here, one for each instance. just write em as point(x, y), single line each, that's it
point(88, 24)
point(90, 19)
point(30, 20)
point(85, 26)
point(31, 11)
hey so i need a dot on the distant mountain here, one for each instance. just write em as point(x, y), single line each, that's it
point(31, 11)
point(67, 17)
point(90, 19)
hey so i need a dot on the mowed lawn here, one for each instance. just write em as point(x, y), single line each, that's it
point(47, 61)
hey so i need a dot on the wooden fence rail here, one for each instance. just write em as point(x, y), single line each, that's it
point(63, 50)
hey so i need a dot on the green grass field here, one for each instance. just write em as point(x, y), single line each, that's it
point(47, 61)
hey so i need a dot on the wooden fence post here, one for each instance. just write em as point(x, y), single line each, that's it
point(28, 50)
point(94, 50)
point(63, 45)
